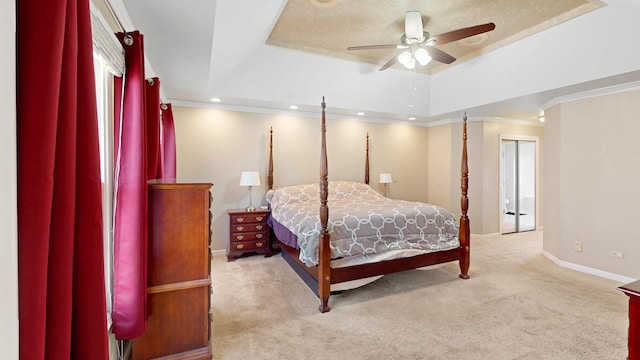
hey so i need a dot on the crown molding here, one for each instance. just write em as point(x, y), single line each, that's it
point(591, 93)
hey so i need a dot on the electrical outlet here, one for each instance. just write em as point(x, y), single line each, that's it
point(577, 246)
point(617, 254)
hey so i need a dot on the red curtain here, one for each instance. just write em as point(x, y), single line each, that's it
point(168, 149)
point(130, 195)
point(153, 128)
point(62, 306)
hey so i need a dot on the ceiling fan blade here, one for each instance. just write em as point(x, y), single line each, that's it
point(370, 47)
point(439, 55)
point(462, 33)
point(413, 25)
point(389, 63)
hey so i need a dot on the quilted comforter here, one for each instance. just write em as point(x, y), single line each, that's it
point(361, 221)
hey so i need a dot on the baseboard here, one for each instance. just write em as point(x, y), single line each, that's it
point(484, 235)
point(220, 252)
point(588, 270)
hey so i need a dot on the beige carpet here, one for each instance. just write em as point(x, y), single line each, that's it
point(517, 305)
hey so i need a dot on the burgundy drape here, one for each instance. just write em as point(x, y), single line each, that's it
point(62, 304)
point(168, 149)
point(153, 128)
point(130, 215)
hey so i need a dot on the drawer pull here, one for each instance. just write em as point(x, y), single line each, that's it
point(240, 228)
point(259, 218)
point(259, 227)
point(239, 219)
point(239, 246)
point(259, 244)
point(259, 236)
point(239, 237)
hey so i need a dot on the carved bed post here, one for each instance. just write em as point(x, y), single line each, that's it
point(366, 163)
point(270, 169)
point(324, 250)
point(465, 232)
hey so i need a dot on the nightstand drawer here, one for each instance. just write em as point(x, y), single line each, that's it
point(248, 218)
point(250, 236)
point(249, 245)
point(256, 227)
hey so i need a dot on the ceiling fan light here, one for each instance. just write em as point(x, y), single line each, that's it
point(411, 64)
point(405, 58)
point(422, 56)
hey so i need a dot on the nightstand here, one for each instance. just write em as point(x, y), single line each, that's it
point(248, 233)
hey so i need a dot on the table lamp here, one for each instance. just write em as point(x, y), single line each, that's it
point(250, 179)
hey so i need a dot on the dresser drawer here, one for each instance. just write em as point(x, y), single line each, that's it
point(255, 227)
point(249, 245)
point(249, 236)
point(248, 218)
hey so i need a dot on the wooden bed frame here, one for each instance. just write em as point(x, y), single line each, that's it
point(319, 278)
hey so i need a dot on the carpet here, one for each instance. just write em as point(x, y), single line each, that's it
point(516, 305)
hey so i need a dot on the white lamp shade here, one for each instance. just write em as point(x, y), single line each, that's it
point(249, 178)
point(385, 178)
point(422, 56)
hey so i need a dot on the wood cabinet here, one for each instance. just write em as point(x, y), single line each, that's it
point(248, 233)
point(178, 280)
point(633, 291)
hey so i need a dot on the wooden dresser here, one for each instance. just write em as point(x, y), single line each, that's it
point(179, 265)
point(633, 292)
point(248, 233)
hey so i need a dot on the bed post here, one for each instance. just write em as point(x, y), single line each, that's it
point(366, 163)
point(465, 233)
point(324, 255)
point(270, 169)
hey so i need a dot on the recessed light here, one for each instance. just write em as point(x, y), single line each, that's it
point(293, 107)
point(360, 113)
point(215, 100)
point(410, 105)
point(412, 118)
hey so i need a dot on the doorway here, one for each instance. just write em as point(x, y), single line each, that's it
point(518, 185)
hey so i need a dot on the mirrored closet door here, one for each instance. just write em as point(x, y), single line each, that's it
point(518, 185)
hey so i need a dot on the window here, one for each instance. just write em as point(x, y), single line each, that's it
point(108, 62)
point(104, 101)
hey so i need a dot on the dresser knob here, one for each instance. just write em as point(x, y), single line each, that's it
point(259, 244)
point(259, 218)
point(259, 236)
point(239, 246)
point(239, 237)
point(240, 228)
point(259, 227)
point(239, 219)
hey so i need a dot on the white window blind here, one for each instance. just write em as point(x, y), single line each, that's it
point(105, 43)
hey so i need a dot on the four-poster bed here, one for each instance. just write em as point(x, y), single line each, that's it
point(424, 234)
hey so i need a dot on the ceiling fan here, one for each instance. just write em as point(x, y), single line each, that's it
point(418, 44)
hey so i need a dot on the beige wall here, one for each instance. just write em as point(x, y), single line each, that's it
point(440, 154)
point(591, 175)
point(215, 145)
point(8, 190)
point(483, 148)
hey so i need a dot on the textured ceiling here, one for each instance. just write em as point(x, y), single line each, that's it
point(328, 27)
point(269, 54)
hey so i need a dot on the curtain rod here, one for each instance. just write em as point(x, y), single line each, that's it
point(114, 15)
